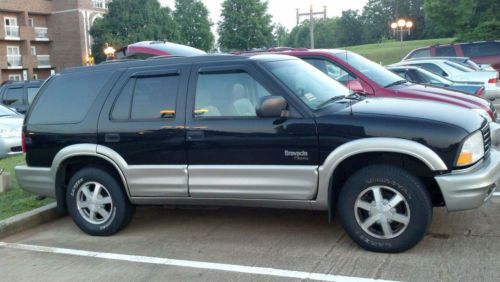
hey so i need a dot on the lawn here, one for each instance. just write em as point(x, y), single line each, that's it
point(16, 201)
point(388, 52)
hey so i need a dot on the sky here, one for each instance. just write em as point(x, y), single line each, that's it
point(284, 11)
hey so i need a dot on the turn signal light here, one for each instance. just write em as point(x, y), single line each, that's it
point(23, 142)
point(465, 158)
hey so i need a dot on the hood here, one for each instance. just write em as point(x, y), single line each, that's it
point(12, 122)
point(420, 109)
point(426, 92)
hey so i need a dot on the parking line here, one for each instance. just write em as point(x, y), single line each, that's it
point(190, 264)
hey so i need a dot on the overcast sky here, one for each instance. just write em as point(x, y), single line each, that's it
point(283, 11)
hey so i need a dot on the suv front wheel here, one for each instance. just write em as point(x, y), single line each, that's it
point(97, 202)
point(385, 209)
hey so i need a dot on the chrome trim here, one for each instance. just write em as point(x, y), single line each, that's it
point(283, 182)
point(366, 145)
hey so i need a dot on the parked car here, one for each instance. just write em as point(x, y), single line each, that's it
point(482, 52)
point(421, 76)
point(11, 124)
point(460, 73)
point(147, 49)
point(463, 61)
point(370, 78)
point(19, 95)
point(266, 131)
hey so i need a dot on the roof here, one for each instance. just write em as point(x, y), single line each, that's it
point(117, 64)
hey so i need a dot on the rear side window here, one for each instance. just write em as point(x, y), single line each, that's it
point(447, 51)
point(481, 49)
point(147, 98)
point(433, 68)
point(13, 96)
point(421, 53)
point(32, 91)
point(68, 98)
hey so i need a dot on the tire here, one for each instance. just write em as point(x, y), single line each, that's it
point(101, 214)
point(407, 221)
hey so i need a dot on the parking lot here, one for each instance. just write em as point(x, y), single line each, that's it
point(223, 244)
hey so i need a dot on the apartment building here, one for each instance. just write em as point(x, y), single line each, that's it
point(41, 37)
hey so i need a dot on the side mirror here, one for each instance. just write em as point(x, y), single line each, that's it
point(271, 106)
point(355, 86)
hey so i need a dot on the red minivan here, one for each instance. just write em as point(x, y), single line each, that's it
point(362, 75)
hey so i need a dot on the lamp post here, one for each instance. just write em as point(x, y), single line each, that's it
point(109, 52)
point(402, 26)
point(311, 15)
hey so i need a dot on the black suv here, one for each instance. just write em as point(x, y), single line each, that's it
point(19, 95)
point(266, 131)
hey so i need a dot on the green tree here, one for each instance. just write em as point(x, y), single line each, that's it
point(194, 25)
point(324, 34)
point(129, 21)
point(245, 25)
point(348, 29)
point(280, 35)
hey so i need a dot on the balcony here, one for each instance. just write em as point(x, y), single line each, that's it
point(41, 34)
point(14, 62)
point(12, 32)
point(43, 61)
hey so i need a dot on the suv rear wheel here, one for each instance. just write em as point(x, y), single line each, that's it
point(385, 209)
point(97, 202)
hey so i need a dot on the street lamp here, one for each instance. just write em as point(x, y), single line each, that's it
point(109, 52)
point(402, 26)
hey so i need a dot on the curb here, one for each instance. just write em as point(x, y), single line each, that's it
point(28, 220)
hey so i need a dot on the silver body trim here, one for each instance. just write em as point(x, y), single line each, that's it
point(469, 190)
point(283, 182)
point(36, 180)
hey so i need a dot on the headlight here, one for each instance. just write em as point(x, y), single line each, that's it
point(472, 150)
point(484, 114)
point(8, 132)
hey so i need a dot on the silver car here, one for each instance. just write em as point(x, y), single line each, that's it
point(11, 123)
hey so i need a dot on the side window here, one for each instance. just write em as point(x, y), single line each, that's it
point(147, 98)
point(481, 49)
point(233, 94)
point(447, 51)
point(13, 96)
point(32, 91)
point(433, 68)
point(331, 69)
point(421, 53)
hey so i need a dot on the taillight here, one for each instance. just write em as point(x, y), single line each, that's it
point(23, 142)
point(480, 92)
point(493, 80)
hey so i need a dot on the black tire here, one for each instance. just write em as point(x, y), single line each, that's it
point(418, 207)
point(120, 211)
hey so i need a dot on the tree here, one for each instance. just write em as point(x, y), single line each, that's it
point(348, 29)
point(280, 35)
point(194, 26)
point(129, 21)
point(245, 25)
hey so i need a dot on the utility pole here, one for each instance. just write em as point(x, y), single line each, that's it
point(311, 15)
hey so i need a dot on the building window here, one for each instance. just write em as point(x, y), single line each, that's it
point(30, 22)
point(15, 77)
point(103, 4)
point(11, 27)
point(35, 77)
point(33, 50)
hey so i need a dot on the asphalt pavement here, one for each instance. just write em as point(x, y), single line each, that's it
point(245, 244)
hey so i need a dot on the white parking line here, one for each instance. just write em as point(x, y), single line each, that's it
point(190, 263)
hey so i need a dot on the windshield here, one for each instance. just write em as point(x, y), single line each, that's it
point(308, 83)
point(434, 78)
point(372, 70)
point(4, 111)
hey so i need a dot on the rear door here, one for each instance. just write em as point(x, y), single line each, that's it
point(234, 154)
point(143, 121)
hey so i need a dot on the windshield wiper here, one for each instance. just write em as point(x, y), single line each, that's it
point(331, 100)
point(395, 83)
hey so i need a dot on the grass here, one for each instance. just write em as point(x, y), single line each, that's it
point(16, 200)
point(389, 52)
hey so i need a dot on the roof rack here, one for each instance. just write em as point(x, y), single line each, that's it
point(117, 61)
point(163, 57)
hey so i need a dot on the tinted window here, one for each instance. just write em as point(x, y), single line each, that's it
point(13, 96)
point(232, 94)
point(331, 69)
point(404, 74)
point(154, 97)
point(121, 109)
point(433, 68)
point(445, 51)
point(421, 53)
point(481, 49)
point(32, 91)
point(68, 98)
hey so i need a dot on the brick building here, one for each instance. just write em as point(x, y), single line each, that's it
point(40, 37)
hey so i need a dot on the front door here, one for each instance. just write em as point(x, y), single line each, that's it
point(143, 121)
point(232, 153)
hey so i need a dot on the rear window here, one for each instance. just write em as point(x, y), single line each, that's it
point(421, 53)
point(481, 49)
point(13, 96)
point(68, 98)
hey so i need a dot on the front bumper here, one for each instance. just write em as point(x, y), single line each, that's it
point(10, 146)
point(471, 189)
point(36, 180)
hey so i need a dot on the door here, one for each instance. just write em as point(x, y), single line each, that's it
point(232, 153)
point(143, 121)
